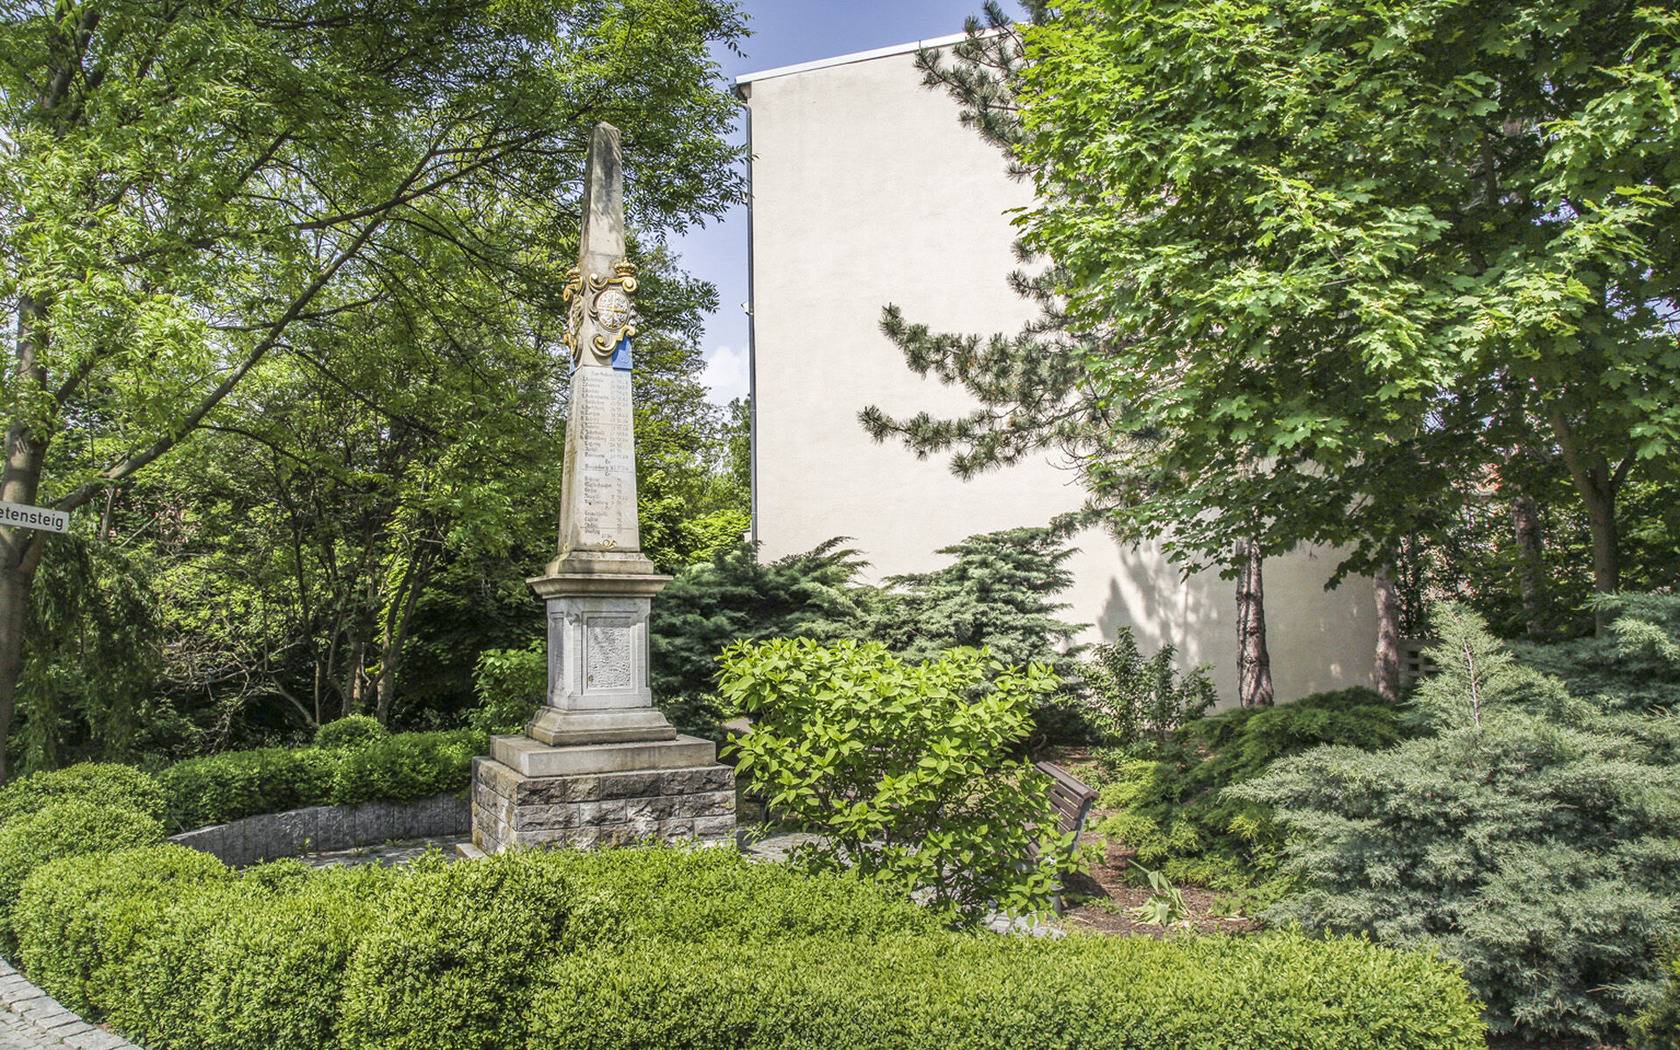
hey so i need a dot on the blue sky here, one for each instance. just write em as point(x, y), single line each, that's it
point(786, 32)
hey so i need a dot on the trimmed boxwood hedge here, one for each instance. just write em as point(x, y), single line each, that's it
point(220, 788)
point(274, 964)
point(67, 828)
point(950, 992)
point(102, 783)
point(79, 919)
point(662, 946)
point(644, 947)
point(691, 896)
point(451, 962)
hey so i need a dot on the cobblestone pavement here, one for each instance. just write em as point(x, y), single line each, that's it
point(32, 1020)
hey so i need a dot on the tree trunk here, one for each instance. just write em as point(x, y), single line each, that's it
point(1597, 483)
point(1387, 671)
point(20, 548)
point(1607, 554)
point(398, 617)
point(1254, 664)
point(1531, 565)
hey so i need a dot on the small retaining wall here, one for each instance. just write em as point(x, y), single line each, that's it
point(271, 836)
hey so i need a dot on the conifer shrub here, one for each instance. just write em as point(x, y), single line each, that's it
point(1532, 839)
point(351, 731)
point(79, 919)
point(952, 992)
point(1173, 810)
point(103, 783)
point(68, 828)
point(997, 594)
point(905, 769)
point(1634, 666)
point(451, 961)
point(734, 597)
point(1658, 1026)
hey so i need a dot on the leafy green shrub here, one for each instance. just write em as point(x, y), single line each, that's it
point(1132, 701)
point(956, 993)
point(1172, 811)
point(397, 768)
point(79, 919)
point(509, 684)
point(220, 788)
point(63, 829)
point(1658, 1026)
point(276, 971)
point(407, 766)
point(173, 967)
point(1533, 840)
point(902, 767)
point(451, 961)
point(677, 894)
point(102, 783)
point(351, 731)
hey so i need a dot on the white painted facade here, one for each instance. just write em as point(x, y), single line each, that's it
point(866, 190)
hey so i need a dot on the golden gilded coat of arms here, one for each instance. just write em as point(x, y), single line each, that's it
point(610, 308)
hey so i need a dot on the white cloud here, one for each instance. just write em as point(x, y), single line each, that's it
point(725, 376)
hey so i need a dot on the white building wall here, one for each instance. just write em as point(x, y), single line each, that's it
point(866, 190)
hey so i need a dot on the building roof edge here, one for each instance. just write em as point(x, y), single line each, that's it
point(843, 60)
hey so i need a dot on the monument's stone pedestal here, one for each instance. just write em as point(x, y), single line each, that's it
point(528, 794)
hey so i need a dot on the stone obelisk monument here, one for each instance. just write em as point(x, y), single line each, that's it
point(599, 763)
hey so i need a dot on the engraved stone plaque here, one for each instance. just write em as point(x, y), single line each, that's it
point(605, 473)
point(609, 656)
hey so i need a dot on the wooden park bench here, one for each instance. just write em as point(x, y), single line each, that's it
point(1073, 799)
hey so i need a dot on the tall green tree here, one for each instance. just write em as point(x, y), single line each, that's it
point(362, 519)
point(1033, 388)
point(1380, 248)
point(187, 189)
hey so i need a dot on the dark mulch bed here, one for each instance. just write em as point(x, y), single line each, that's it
point(1103, 902)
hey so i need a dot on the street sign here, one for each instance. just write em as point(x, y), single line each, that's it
point(34, 517)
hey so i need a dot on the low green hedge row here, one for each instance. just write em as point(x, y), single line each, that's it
point(366, 767)
point(400, 768)
point(948, 991)
point(97, 782)
point(177, 951)
point(644, 947)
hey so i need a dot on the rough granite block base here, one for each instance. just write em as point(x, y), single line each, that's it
point(611, 808)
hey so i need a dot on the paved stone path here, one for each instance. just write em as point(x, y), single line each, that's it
point(33, 1020)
